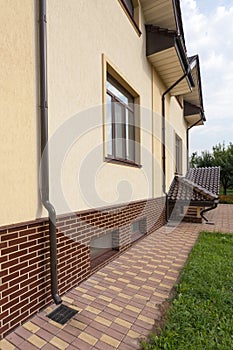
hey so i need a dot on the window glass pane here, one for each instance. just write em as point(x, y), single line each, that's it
point(129, 5)
point(119, 130)
point(119, 91)
point(120, 121)
point(178, 155)
point(116, 92)
point(135, 227)
point(109, 125)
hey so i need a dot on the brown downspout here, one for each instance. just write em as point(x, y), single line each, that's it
point(216, 202)
point(164, 137)
point(44, 151)
point(208, 209)
point(187, 139)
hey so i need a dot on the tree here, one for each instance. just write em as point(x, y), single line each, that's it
point(204, 160)
point(193, 160)
point(223, 157)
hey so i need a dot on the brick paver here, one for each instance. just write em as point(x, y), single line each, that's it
point(118, 304)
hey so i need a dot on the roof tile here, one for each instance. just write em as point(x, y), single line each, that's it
point(199, 184)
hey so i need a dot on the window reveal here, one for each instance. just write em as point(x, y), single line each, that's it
point(178, 155)
point(120, 122)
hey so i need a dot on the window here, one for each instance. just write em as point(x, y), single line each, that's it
point(178, 154)
point(132, 9)
point(103, 248)
point(129, 5)
point(121, 116)
point(120, 122)
point(138, 229)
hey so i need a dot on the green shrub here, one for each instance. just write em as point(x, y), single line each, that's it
point(226, 199)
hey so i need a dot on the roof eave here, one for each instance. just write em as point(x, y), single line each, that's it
point(163, 13)
point(195, 98)
point(192, 203)
point(193, 114)
point(166, 51)
point(160, 13)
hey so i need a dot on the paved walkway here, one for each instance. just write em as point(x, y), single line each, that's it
point(118, 304)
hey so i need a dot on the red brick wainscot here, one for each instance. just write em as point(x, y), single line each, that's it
point(25, 257)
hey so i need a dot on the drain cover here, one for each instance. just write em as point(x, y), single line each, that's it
point(62, 314)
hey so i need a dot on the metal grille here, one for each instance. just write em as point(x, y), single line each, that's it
point(62, 314)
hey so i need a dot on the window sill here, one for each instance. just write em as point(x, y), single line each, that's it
point(122, 162)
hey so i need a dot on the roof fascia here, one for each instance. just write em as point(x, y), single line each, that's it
point(193, 203)
point(195, 60)
point(184, 60)
point(158, 39)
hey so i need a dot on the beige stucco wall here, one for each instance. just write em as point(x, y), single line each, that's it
point(79, 34)
point(158, 89)
point(18, 150)
point(175, 124)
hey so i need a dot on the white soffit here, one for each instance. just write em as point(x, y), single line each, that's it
point(192, 119)
point(168, 65)
point(159, 13)
point(194, 97)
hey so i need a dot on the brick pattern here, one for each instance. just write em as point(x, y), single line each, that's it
point(24, 260)
point(81, 227)
point(115, 239)
point(25, 270)
point(117, 305)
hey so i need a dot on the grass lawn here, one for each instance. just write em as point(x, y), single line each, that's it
point(201, 315)
point(229, 191)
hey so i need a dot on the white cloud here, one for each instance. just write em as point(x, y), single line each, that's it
point(208, 31)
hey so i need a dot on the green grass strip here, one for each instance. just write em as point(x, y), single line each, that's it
point(201, 315)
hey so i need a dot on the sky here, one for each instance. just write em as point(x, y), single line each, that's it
point(208, 30)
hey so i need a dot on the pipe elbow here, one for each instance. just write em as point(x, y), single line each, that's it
point(57, 299)
point(206, 210)
point(50, 208)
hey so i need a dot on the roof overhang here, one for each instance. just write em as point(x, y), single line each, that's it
point(191, 203)
point(166, 51)
point(199, 187)
point(163, 13)
point(193, 114)
point(193, 102)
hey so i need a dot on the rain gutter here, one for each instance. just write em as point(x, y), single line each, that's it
point(44, 150)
